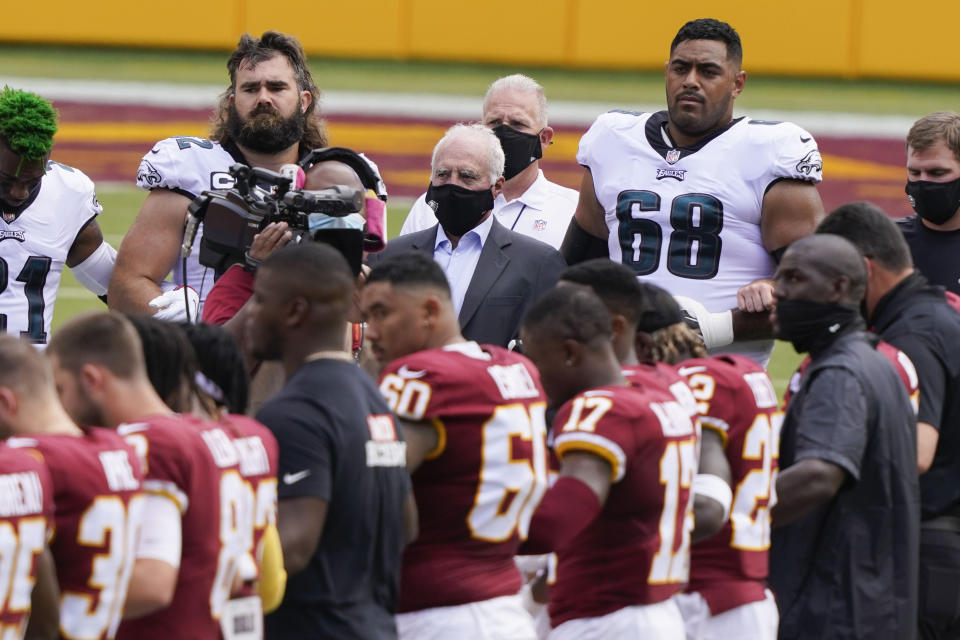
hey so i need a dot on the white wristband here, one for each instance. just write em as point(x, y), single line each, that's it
point(715, 488)
point(718, 330)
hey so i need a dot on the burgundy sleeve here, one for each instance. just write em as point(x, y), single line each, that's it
point(566, 510)
point(226, 297)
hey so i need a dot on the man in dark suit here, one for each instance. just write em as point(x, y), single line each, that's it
point(494, 273)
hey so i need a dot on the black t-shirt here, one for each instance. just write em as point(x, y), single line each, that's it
point(339, 442)
point(915, 318)
point(848, 569)
point(936, 254)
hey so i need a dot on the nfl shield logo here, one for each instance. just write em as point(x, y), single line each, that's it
point(673, 155)
point(539, 225)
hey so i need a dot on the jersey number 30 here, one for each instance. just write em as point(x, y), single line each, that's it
point(694, 247)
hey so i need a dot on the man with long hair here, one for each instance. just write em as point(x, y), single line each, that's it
point(266, 118)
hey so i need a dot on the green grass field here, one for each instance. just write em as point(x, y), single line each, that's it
point(615, 87)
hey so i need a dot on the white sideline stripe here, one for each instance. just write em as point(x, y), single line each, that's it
point(562, 112)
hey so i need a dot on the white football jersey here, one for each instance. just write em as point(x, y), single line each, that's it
point(34, 248)
point(188, 166)
point(688, 218)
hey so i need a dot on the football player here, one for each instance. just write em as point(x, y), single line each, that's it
point(26, 522)
point(267, 117)
point(473, 419)
point(637, 310)
point(649, 336)
point(172, 369)
point(223, 388)
point(187, 554)
point(728, 570)
point(49, 214)
point(695, 200)
point(96, 487)
point(727, 593)
point(620, 514)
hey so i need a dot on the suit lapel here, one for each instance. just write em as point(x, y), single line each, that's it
point(491, 264)
point(424, 240)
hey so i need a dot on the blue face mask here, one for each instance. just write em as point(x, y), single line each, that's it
point(344, 233)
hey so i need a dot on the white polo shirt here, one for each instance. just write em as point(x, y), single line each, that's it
point(542, 212)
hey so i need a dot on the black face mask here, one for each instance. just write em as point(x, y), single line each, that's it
point(521, 149)
point(934, 201)
point(813, 325)
point(458, 209)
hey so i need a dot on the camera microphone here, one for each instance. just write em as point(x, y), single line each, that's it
point(295, 174)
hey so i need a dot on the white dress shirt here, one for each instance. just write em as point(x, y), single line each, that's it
point(459, 263)
point(542, 212)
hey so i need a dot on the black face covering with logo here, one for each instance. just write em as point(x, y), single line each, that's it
point(520, 149)
point(935, 202)
point(811, 326)
point(458, 209)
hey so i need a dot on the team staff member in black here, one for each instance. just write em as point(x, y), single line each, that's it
point(933, 189)
point(843, 555)
point(343, 486)
point(914, 316)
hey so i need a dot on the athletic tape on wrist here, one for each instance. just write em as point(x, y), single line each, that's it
point(715, 488)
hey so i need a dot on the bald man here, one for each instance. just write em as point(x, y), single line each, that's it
point(848, 499)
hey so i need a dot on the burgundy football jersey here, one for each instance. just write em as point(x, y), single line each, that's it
point(98, 507)
point(660, 378)
point(180, 467)
point(216, 529)
point(901, 362)
point(476, 492)
point(26, 522)
point(736, 399)
point(257, 448)
point(637, 550)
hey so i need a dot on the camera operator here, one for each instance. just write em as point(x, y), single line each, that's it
point(267, 118)
point(227, 301)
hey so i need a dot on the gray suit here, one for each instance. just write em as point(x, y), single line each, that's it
point(512, 272)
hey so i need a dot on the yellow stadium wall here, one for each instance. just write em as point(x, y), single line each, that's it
point(839, 38)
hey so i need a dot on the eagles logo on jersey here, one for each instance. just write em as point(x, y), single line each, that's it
point(188, 166)
point(688, 218)
point(30, 267)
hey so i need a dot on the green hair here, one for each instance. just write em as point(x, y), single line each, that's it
point(28, 123)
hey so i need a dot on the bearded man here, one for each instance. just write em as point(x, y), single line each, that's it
point(266, 118)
